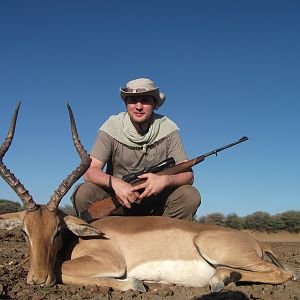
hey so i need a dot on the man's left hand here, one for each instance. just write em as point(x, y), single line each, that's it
point(152, 184)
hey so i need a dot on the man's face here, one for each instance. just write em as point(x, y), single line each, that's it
point(140, 108)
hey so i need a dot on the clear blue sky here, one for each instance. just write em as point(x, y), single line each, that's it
point(228, 69)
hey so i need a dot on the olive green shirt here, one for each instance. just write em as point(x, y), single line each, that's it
point(122, 159)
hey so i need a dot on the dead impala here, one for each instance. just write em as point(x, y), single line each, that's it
point(121, 252)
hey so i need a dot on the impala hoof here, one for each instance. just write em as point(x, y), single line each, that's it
point(216, 285)
point(138, 285)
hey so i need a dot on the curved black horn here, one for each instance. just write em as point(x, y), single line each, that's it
point(77, 173)
point(6, 174)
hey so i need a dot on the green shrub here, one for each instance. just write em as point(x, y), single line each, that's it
point(258, 221)
point(7, 206)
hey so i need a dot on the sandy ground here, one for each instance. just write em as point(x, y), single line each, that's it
point(13, 273)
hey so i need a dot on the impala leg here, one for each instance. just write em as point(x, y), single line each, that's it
point(272, 275)
point(264, 273)
point(237, 256)
point(87, 270)
point(88, 266)
point(222, 278)
point(116, 284)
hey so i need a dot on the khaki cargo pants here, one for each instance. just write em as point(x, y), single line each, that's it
point(181, 203)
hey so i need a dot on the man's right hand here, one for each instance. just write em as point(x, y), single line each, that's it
point(124, 192)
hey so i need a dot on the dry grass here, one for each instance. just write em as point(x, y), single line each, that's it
point(282, 236)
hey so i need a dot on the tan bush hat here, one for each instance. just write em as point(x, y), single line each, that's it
point(143, 86)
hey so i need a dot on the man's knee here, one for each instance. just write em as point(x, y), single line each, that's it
point(190, 197)
point(85, 194)
point(183, 203)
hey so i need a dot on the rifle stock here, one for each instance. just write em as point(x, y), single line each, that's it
point(107, 206)
point(102, 208)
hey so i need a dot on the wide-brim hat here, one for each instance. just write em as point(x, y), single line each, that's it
point(143, 86)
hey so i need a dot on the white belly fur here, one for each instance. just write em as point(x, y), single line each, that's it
point(192, 273)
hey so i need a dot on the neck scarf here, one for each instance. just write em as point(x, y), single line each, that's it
point(121, 128)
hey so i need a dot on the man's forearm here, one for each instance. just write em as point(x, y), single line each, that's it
point(181, 179)
point(98, 177)
point(122, 190)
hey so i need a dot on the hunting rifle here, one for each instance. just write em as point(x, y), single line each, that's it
point(107, 206)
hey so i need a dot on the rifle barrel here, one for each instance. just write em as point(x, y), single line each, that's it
point(242, 139)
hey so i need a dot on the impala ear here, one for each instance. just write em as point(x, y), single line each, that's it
point(80, 227)
point(12, 220)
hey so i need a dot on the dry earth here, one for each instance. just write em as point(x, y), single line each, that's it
point(13, 273)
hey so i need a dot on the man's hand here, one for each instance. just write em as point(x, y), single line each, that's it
point(152, 184)
point(124, 191)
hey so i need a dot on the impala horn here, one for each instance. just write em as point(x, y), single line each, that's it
point(77, 173)
point(6, 174)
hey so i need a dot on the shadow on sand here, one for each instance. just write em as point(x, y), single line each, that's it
point(223, 296)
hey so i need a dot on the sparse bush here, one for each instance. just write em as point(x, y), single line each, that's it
point(234, 221)
point(214, 218)
point(290, 220)
point(258, 221)
point(68, 209)
point(7, 206)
